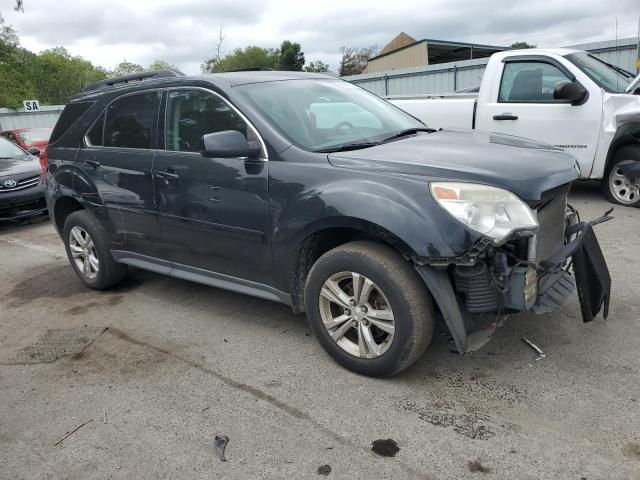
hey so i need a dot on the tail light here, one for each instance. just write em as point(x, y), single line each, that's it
point(44, 161)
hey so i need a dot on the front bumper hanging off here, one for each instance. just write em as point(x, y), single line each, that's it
point(578, 263)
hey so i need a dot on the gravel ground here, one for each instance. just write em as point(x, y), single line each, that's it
point(181, 363)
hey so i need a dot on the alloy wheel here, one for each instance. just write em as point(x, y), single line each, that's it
point(357, 315)
point(622, 189)
point(84, 252)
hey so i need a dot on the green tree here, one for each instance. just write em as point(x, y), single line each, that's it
point(316, 66)
point(161, 65)
point(58, 75)
point(242, 59)
point(354, 60)
point(521, 45)
point(291, 57)
point(51, 76)
point(15, 72)
point(125, 68)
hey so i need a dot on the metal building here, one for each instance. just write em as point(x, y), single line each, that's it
point(406, 52)
point(457, 75)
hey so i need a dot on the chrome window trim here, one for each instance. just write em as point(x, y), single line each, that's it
point(265, 154)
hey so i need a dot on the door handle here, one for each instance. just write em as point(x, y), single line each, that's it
point(505, 116)
point(92, 163)
point(168, 175)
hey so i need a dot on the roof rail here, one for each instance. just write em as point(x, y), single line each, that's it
point(134, 77)
point(252, 69)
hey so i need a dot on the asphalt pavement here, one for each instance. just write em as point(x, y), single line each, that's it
point(181, 363)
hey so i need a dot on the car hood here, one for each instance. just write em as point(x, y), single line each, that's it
point(19, 165)
point(525, 167)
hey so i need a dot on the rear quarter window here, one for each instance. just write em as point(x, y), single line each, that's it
point(70, 115)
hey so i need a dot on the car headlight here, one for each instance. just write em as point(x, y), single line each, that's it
point(492, 211)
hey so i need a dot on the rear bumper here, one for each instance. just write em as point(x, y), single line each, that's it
point(22, 203)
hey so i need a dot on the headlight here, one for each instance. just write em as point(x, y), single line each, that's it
point(492, 211)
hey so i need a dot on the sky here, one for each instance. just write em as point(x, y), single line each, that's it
point(185, 32)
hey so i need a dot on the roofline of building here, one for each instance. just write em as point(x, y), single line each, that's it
point(442, 42)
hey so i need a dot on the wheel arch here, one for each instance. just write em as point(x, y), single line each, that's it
point(62, 208)
point(626, 135)
point(331, 233)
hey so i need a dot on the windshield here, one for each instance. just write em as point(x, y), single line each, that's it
point(34, 135)
point(601, 73)
point(327, 114)
point(9, 150)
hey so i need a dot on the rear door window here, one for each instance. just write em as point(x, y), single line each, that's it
point(95, 135)
point(129, 122)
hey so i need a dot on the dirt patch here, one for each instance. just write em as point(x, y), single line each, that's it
point(477, 383)
point(83, 309)
point(632, 450)
point(57, 343)
point(476, 467)
point(385, 448)
point(53, 282)
point(467, 422)
point(61, 281)
point(112, 360)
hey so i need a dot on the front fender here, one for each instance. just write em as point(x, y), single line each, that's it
point(400, 207)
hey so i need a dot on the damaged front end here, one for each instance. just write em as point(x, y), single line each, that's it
point(534, 270)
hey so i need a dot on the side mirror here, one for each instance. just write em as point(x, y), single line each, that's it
point(228, 144)
point(34, 151)
point(571, 91)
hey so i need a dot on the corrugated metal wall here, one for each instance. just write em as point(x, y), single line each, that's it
point(47, 117)
point(449, 77)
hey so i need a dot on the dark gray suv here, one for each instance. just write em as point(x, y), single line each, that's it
point(307, 190)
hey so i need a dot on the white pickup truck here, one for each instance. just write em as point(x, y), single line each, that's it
point(563, 97)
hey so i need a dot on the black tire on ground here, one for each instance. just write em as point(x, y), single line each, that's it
point(629, 152)
point(407, 296)
point(110, 272)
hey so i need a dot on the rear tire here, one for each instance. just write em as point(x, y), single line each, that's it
point(88, 252)
point(369, 309)
point(615, 186)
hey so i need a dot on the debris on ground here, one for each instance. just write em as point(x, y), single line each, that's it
point(385, 448)
point(221, 443)
point(535, 347)
point(324, 470)
point(68, 434)
point(476, 466)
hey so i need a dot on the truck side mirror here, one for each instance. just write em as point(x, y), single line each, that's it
point(228, 144)
point(572, 92)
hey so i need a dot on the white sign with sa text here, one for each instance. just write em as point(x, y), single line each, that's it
point(31, 105)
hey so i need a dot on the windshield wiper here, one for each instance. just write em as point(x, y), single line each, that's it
point(407, 132)
point(621, 71)
point(348, 146)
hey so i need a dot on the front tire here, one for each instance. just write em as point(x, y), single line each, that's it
point(617, 188)
point(88, 252)
point(369, 309)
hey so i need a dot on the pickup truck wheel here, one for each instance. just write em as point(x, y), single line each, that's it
point(369, 309)
point(88, 252)
point(616, 186)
